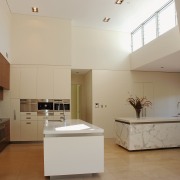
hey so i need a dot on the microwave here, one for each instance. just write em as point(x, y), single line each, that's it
point(45, 104)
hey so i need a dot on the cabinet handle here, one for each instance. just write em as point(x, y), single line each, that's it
point(28, 117)
point(28, 123)
point(14, 114)
point(28, 113)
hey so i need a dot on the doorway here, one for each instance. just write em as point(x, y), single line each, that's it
point(75, 101)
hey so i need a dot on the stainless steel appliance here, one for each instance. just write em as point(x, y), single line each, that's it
point(45, 104)
point(28, 105)
point(62, 105)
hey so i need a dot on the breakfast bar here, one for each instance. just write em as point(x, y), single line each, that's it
point(147, 133)
point(73, 147)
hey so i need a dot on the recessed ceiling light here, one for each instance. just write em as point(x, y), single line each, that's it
point(119, 1)
point(106, 19)
point(35, 9)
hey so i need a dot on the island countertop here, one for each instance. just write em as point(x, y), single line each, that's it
point(148, 120)
point(70, 126)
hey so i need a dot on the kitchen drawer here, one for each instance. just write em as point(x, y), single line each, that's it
point(45, 117)
point(61, 113)
point(34, 118)
point(28, 130)
point(28, 113)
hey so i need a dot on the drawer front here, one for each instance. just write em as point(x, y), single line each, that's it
point(28, 130)
point(45, 118)
point(28, 113)
point(33, 118)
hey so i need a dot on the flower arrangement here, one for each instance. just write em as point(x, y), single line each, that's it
point(139, 103)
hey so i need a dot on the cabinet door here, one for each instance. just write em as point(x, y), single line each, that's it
point(29, 130)
point(4, 72)
point(1, 69)
point(62, 83)
point(15, 82)
point(40, 130)
point(28, 83)
point(45, 83)
point(15, 120)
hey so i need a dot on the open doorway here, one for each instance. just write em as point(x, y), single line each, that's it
point(75, 101)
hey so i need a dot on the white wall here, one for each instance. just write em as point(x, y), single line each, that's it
point(5, 30)
point(162, 46)
point(110, 90)
point(41, 40)
point(98, 49)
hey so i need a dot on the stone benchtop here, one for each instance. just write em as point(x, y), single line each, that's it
point(148, 120)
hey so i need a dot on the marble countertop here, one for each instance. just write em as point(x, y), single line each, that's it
point(70, 126)
point(2, 120)
point(148, 120)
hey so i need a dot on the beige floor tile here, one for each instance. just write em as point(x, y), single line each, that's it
point(25, 162)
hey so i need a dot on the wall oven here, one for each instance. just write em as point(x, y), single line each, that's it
point(45, 104)
point(62, 105)
point(28, 105)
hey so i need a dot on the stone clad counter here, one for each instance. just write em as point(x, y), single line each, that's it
point(73, 147)
point(147, 133)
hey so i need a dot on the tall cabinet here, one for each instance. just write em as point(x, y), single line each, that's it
point(4, 75)
point(35, 82)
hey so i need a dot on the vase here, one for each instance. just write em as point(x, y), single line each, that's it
point(138, 112)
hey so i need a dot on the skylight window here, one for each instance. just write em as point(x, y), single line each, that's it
point(160, 22)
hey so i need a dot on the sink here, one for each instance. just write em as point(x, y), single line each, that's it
point(76, 127)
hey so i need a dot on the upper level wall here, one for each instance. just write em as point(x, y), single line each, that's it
point(162, 46)
point(5, 30)
point(100, 49)
point(41, 40)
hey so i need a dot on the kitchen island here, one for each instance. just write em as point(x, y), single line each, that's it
point(147, 133)
point(73, 147)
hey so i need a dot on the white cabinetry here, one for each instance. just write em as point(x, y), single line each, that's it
point(40, 130)
point(28, 83)
point(28, 126)
point(62, 83)
point(29, 130)
point(15, 120)
point(45, 83)
point(15, 82)
point(59, 115)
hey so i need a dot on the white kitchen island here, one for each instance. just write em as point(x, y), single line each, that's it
point(147, 133)
point(73, 147)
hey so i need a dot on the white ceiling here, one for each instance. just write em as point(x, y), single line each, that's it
point(90, 13)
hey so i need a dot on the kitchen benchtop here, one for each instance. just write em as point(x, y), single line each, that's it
point(148, 120)
point(2, 120)
point(70, 126)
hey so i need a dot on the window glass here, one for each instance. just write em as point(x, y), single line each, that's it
point(150, 30)
point(167, 18)
point(137, 39)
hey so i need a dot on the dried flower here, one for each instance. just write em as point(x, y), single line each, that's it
point(139, 103)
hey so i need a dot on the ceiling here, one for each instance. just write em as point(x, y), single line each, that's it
point(125, 17)
point(90, 13)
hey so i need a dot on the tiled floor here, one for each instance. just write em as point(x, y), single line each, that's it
point(25, 162)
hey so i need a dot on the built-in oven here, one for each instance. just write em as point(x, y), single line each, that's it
point(2, 136)
point(28, 105)
point(62, 105)
point(45, 105)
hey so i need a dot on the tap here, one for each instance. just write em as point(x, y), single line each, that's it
point(63, 117)
point(178, 113)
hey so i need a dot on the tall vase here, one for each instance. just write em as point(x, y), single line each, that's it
point(138, 112)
